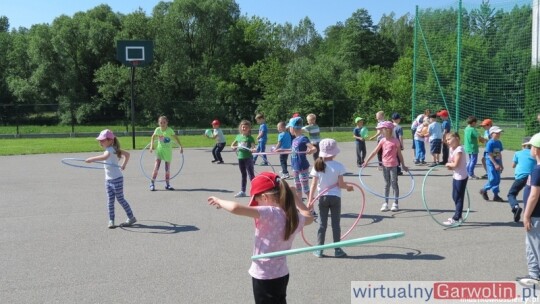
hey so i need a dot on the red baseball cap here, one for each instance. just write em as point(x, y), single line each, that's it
point(261, 183)
point(443, 113)
point(487, 122)
point(215, 122)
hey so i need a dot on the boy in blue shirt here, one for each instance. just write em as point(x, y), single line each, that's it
point(523, 163)
point(494, 164)
point(284, 143)
point(262, 138)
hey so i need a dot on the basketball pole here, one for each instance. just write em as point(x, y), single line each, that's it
point(133, 104)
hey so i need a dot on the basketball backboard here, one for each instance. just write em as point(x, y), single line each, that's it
point(135, 52)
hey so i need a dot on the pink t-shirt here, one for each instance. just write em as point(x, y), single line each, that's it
point(460, 172)
point(390, 149)
point(269, 231)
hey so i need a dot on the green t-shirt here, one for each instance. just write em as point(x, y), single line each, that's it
point(470, 141)
point(245, 142)
point(164, 146)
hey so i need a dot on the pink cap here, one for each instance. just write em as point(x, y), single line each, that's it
point(105, 134)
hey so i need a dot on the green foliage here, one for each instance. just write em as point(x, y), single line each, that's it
point(532, 104)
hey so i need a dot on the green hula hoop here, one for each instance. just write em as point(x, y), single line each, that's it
point(429, 211)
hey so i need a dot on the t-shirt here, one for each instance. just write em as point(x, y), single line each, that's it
point(495, 147)
point(362, 132)
point(244, 144)
point(398, 132)
point(314, 133)
point(299, 161)
point(220, 137)
point(329, 177)
point(525, 163)
point(470, 140)
point(285, 140)
point(446, 126)
point(263, 130)
point(460, 171)
point(390, 149)
point(534, 180)
point(164, 147)
point(112, 171)
point(269, 232)
point(435, 131)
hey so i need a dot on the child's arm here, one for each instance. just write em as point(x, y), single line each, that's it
point(531, 204)
point(302, 209)
point(101, 157)
point(234, 145)
point(178, 141)
point(152, 142)
point(343, 185)
point(310, 148)
point(494, 162)
point(376, 134)
point(311, 194)
point(233, 207)
point(457, 158)
point(366, 162)
point(126, 156)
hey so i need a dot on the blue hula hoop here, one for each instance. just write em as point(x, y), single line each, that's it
point(382, 196)
point(458, 223)
point(160, 180)
point(68, 160)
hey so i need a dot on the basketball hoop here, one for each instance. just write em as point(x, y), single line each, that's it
point(135, 63)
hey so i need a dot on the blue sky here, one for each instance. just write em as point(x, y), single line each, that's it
point(322, 12)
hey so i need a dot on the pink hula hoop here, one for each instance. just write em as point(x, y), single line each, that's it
point(362, 206)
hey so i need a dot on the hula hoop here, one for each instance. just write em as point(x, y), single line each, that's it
point(279, 152)
point(161, 180)
point(252, 153)
point(68, 160)
point(362, 206)
point(348, 243)
point(457, 224)
point(382, 196)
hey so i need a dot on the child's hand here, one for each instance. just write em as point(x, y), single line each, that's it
point(88, 160)
point(123, 167)
point(214, 201)
point(350, 188)
point(405, 168)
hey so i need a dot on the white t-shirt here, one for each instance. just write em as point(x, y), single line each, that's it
point(460, 172)
point(112, 171)
point(329, 177)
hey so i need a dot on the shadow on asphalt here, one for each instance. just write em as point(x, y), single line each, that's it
point(158, 227)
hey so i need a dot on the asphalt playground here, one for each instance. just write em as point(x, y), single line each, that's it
point(55, 246)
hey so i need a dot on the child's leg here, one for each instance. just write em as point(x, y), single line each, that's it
point(335, 212)
point(250, 169)
point(283, 161)
point(496, 181)
point(473, 158)
point(532, 248)
point(516, 187)
point(156, 169)
point(362, 152)
point(297, 184)
point(324, 207)
point(220, 147)
point(386, 175)
point(109, 187)
point(458, 195)
point(243, 172)
point(262, 145)
point(167, 172)
point(394, 182)
point(379, 155)
point(358, 154)
point(214, 152)
point(304, 179)
point(118, 188)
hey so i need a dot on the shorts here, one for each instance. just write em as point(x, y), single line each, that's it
point(435, 146)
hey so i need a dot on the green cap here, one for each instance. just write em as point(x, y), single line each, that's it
point(534, 141)
point(357, 119)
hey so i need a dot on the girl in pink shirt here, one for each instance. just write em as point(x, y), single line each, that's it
point(279, 215)
point(457, 162)
point(391, 153)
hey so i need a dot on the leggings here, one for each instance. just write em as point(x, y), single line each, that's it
point(246, 168)
point(301, 181)
point(115, 189)
point(390, 178)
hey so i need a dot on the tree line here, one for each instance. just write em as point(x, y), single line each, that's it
point(212, 62)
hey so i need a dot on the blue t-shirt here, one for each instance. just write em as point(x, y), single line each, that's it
point(263, 129)
point(285, 140)
point(299, 161)
point(524, 163)
point(446, 126)
point(534, 180)
point(435, 131)
point(495, 147)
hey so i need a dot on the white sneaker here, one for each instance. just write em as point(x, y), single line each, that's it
point(240, 194)
point(451, 222)
point(384, 207)
point(395, 207)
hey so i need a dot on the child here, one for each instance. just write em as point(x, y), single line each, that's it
point(420, 137)
point(360, 134)
point(114, 180)
point(380, 119)
point(494, 164)
point(414, 126)
point(284, 143)
point(314, 133)
point(262, 138)
point(220, 142)
point(244, 144)
point(523, 163)
point(531, 217)
point(274, 207)
point(435, 138)
point(328, 173)
point(486, 124)
point(391, 155)
point(458, 163)
point(471, 145)
point(163, 151)
point(299, 163)
point(446, 128)
point(398, 133)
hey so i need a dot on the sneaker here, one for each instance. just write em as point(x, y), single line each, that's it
point(285, 176)
point(394, 208)
point(474, 177)
point(433, 165)
point(220, 162)
point(168, 187)
point(264, 164)
point(111, 225)
point(400, 173)
point(384, 207)
point(497, 198)
point(152, 187)
point(318, 253)
point(215, 160)
point(423, 162)
point(315, 215)
point(339, 253)
point(129, 222)
point(416, 162)
point(485, 176)
point(451, 222)
point(240, 194)
point(517, 213)
point(528, 280)
point(484, 194)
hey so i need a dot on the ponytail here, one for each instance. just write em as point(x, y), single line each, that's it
point(320, 165)
point(116, 146)
point(287, 201)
